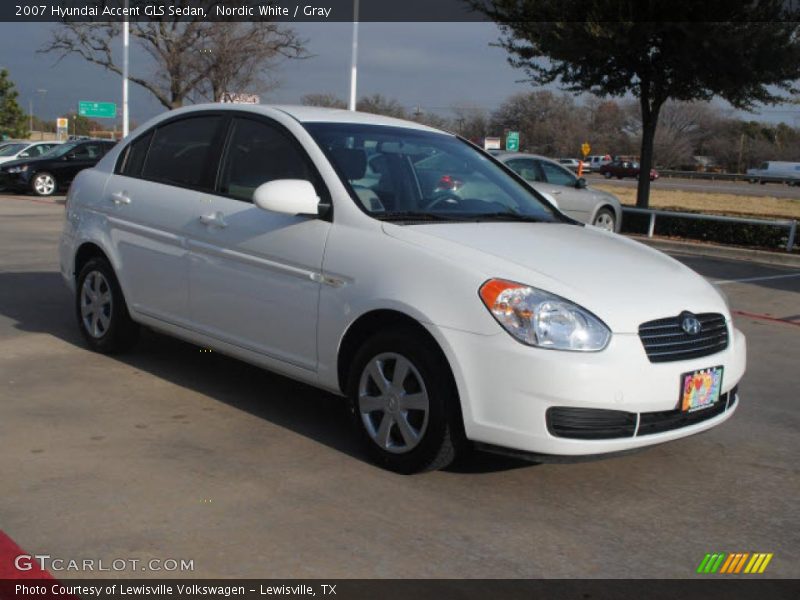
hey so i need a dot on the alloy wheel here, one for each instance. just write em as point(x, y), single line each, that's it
point(393, 403)
point(96, 304)
point(44, 184)
point(605, 221)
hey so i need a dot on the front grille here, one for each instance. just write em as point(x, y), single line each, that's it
point(667, 420)
point(664, 340)
point(599, 424)
point(590, 423)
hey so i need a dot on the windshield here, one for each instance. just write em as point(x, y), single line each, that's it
point(396, 172)
point(60, 150)
point(12, 149)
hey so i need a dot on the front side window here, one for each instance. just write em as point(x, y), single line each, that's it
point(258, 153)
point(398, 172)
point(556, 175)
point(181, 151)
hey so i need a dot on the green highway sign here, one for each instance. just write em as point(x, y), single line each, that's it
point(97, 110)
point(512, 141)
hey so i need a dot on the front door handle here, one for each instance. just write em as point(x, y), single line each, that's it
point(216, 219)
point(119, 198)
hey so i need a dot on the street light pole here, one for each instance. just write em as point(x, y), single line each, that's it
point(126, 42)
point(354, 58)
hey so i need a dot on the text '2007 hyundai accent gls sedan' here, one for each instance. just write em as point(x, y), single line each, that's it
point(332, 247)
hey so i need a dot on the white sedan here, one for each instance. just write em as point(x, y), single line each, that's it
point(20, 150)
point(401, 267)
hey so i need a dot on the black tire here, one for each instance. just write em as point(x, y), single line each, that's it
point(43, 190)
point(121, 332)
point(442, 438)
point(607, 175)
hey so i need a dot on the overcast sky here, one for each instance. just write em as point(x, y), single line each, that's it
point(434, 65)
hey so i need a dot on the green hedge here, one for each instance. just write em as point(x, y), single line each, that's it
point(718, 232)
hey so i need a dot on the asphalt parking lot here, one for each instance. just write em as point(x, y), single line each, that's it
point(172, 452)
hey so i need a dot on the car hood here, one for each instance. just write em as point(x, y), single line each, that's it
point(623, 282)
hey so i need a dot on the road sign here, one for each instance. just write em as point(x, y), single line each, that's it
point(512, 141)
point(97, 110)
point(491, 143)
point(586, 148)
point(62, 128)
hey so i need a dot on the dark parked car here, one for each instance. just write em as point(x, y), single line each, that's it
point(45, 175)
point(624, 168)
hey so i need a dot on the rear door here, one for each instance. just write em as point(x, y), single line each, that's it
point(161, 180)
point(255, 274)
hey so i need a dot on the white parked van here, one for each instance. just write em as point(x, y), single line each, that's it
point(776, 171)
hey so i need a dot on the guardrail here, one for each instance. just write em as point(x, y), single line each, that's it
point(791, 225)
point(727, 176)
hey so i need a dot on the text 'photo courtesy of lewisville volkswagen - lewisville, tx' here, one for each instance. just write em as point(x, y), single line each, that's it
point(465, 299)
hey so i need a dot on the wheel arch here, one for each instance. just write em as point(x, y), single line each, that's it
point(372, 322)
point(614, 208)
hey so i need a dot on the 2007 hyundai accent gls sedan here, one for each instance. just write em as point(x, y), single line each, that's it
point(335, 248)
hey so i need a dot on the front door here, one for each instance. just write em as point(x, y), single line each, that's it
point(255, 275)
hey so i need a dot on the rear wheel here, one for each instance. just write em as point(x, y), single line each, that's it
point(44, 184)
point(404, 403)
point(102, 314)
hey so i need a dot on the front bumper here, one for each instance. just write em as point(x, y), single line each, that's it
point(506, 389)
point(15, 181)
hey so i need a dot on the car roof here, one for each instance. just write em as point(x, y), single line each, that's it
point(312, 114)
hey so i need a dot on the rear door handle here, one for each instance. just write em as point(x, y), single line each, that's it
point(120, 198)
point(216, 219)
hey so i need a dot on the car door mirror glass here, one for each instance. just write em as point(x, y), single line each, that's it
point(287, 196)
point(24, 155)
point(580, 183)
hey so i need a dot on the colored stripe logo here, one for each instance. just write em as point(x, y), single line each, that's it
point(735, 563)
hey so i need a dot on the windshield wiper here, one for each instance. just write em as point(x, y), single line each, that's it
point(504, 216)
point(413, 215)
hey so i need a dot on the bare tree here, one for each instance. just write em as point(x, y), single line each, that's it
point(193, 57)
point(240, 57)
point(323, 99)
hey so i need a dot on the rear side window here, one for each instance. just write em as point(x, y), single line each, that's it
point(181, 151)
point(134, 155)
point(258, 153)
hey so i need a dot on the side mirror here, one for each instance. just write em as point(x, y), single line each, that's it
point(580, 183)
point(287, 196)
point(71, 156)
point(23, 155)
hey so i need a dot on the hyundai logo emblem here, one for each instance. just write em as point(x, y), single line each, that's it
point(690, 324)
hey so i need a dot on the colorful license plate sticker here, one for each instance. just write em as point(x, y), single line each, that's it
point(700, 389)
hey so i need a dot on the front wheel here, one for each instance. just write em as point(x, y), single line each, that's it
point(605, 219)
point(607, 175)
point(100, 307)
point(404, 403)
point(44, 184)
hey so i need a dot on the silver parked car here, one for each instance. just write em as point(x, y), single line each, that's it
point(571, 193)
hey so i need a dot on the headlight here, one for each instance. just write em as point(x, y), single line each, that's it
point(541, 319)
point(20, 169)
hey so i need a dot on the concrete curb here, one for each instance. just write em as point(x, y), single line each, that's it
point(730, 252)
